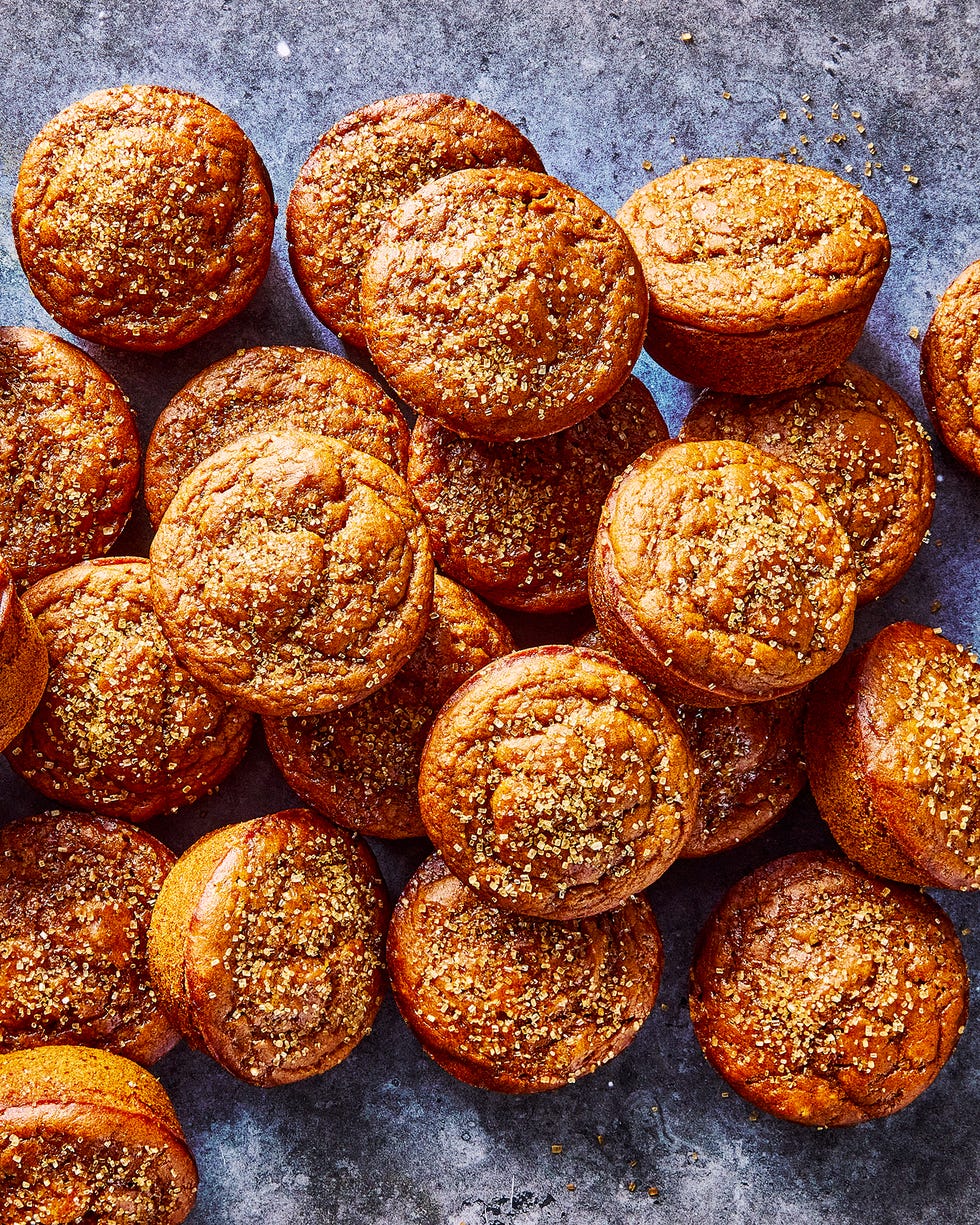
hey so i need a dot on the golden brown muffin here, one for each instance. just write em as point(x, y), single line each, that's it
point(69, 455)
point(292, 573)
point(761, 273)
point(503, 303)
point(516, 1004)
point(858, 444)
point(825, 996)
point(366, 165)
point(143, 217)
point(893, 750)
point(950, 371)
point(23, 660)
point(515, 521)
point(86, 1136)
point(267, 946)
point(270, 388)
point(360, 766)
point(122, 728)
point(749, 762)
point(76, 893)
point(719, 573)
point(555, 784)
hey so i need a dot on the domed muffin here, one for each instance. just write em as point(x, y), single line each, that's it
point(950, 372)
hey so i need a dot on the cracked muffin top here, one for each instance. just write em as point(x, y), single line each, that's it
point(745, 244)
point(503, 303)
point(826, 996)
point(362, 169)
point(292, 573)
point(143, 217)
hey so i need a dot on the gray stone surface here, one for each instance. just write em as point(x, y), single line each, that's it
point(387, 1137)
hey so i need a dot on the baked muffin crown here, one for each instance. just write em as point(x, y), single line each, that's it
point(950, 367)
point(143, 217)
point(747, 244)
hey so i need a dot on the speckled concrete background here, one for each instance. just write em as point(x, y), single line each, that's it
point(608, 97)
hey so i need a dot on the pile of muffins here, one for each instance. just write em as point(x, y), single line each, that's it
point(319, 565)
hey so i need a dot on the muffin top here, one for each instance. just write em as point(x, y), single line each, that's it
point(143, 217)
point(827, 996)
point(68, 451)
point(366, 165)
point(860, 446)
point(745, 244)
point(76, 894)
point(292, 573)
point(512, 1003)
point(555, 783)
point(951, 367)
point(122, 728)
point(269, 388)
point(503, 303)
point(515, 520)
point(728, 567)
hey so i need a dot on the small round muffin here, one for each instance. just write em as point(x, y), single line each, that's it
point(720, 574)
point(950, 369)
point(893, 752)
point(516, 1004)
point(267, 946)
point(749, 762)
point(503, 303)
point(269, 389)
point(826, 996)
point(761, 273)
point(68, 451)
point(515, 521)
point(23, 661)
point(76, 894)
point(292, 573)
point(143, 217)
point(555, 784)
point(122, 728)
point(858, 444)
point(366, 165)
point(89, 1136)
point(360, 766)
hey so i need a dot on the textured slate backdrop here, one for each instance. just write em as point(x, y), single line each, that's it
point(387, 1137)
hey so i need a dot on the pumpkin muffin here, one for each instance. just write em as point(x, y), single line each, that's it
point(893, 748)
point(555, 784)
point(267, 946)
point(749, 762)
point(516, 1004)
point(270, 388)
point(721, 575)
point(68, 451)
point(360, 766)
point(122, 728)
point(143, 217)
point(366, 165)
point(826, 996)
point(515, 521)
point(950, 371)
point(503, 303)
point(89, 1136)
point(76, 893)
point(761, 273)
point(23, 661)
point(858, 444)
point(292, 573)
